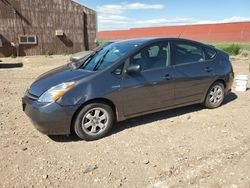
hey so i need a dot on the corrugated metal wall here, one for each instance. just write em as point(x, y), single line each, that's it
point(42, 18)
point(227, 32)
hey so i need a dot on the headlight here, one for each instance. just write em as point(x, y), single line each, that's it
point(56, 92)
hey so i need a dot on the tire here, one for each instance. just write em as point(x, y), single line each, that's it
point(94, 121)
point(215, 95)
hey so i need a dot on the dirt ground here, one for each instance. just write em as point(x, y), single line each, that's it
point(185, 147)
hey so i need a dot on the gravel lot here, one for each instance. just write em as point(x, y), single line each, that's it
point(185, 147)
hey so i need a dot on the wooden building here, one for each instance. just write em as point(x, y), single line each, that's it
point(37, 27)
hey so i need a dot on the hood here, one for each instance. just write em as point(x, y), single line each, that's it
point(55, 77)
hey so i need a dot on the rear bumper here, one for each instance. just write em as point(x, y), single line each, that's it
point(229, 84)
point(51, 118)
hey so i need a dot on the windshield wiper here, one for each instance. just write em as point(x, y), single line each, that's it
point(86, 61)
point(100, 61)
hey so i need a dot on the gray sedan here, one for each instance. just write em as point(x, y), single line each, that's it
point(127, 79)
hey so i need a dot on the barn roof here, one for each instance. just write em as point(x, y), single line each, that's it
point(223, 32)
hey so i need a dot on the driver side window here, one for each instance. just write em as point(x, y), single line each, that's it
point(152, 57)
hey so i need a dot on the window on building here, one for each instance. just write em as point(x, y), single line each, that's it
point(27, 39)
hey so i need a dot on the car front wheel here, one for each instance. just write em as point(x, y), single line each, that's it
point(94, 121)
point(215, 95)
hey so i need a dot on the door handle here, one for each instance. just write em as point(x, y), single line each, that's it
point(208, 69)
point(168, 77)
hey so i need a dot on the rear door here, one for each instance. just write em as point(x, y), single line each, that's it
point(146, 91)
point(193, 73)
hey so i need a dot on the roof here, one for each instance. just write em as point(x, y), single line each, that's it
point(137, 40)
point(158, 40)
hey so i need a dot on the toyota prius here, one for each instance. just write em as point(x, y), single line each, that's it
point(127, 79)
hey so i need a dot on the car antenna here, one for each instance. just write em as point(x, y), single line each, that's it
point(182, 31)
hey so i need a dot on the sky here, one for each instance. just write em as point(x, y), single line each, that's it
point(118, 15)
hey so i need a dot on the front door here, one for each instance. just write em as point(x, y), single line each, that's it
point(146, 91)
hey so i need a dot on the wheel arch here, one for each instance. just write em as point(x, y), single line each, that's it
point(221, 81)
point(96, 100)
point(217, 80)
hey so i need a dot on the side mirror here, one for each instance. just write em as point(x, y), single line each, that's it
point(133, 69)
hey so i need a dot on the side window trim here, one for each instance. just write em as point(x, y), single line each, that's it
point(171, 50)
point(169, 53)
point(194, 62)
point(154, 69)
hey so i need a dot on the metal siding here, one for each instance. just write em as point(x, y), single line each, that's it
point(226, 32)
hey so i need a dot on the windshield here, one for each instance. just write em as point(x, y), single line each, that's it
point(107, 56)
point(77, 62)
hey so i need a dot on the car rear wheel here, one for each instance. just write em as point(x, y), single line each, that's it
point(94, 121)
point(215, 95)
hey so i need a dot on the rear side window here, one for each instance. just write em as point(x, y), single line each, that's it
point(210, 53)
point(185, 52)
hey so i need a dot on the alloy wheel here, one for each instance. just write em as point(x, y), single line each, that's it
point(95, 121)
point(216, 94)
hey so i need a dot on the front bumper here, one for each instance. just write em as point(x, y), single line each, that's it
point(51, 118)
